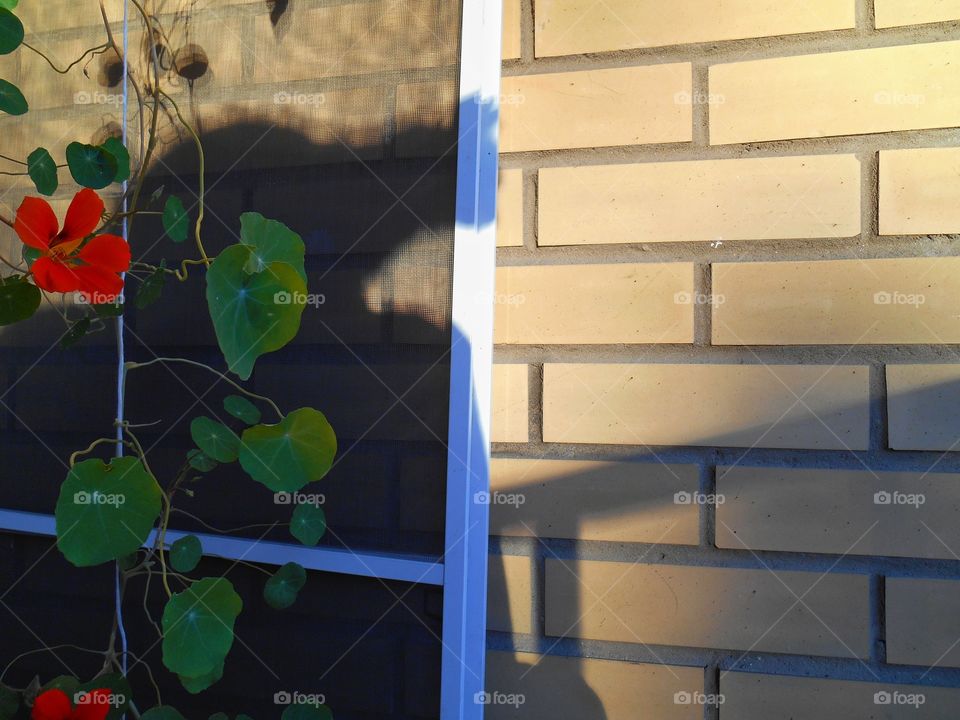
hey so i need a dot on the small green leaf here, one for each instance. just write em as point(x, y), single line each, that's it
point(18, 300)
point(12, 100)
point(9, 702)
point(215, 439)
point(29, 255)
point(308, 524)
point(43, 171)
point(198, 627)
point(283, 586)
point(151, 288)
point(76, 333)
point(185, 553)
point(271, 241)
point(194, 685)
point(176, 222)
point(303, 711)
point(116, 148)
point(11, 31)
point(162, 712)
point(91, 166)
point(105, 511)
point(199, 460)
point(242, 409)
point(286, 456)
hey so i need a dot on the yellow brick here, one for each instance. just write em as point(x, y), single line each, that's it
point(774, 696)
point(592, 500)
point(855, 512)
point(623, 303)
point(510, 400)
point(622, 106)
point(923, 622)
point(510, 209)
point(788, 197)
point(709, 405)
point(846, 302)
point(508, 593)
point(840, 93)
point(920, 191)
point(566, 27)
point(923, 407)
point(708, 607)
point(890, 13)
point(511, 29)
point(563, 687)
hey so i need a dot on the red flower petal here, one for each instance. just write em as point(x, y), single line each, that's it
point(101, 286)
point(36, 223)
point(109, 252)
point(51, 705)
point(83, 216)
point(93, 706)
point(54, 276)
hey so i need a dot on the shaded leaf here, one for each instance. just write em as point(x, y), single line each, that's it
point(242, 409)
point(43, 171)
point(303, 711)
point(121, 155)
point(200, 683)
point(91, 166)
point(11, 31)
point(151, 288)
point(176, 222)
point(198, 627)
point(162, 712)
point(271, 241)
point(199, 460)
point(281, 590)
point(12, 100)
point(215, 439)
point(185, 553)
point(19, 299)
point(76, 333)
point(308, 524)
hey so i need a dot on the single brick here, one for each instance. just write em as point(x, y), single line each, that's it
point(890, 13)
point(508, 593)
point(592, 500)
point(845, 512)
point(841, 93)
point(750, 696)
point(510, 404)
point(596, 108)
point(836, 302)
point(563, 687)
point(510, 209)
point(922, 407)
point(567, 27)
point(511, 29)
point(709, 607)
point(773, 406)
point(923, 622)
point(750, 199)
point(919, 191)
point(620, 303)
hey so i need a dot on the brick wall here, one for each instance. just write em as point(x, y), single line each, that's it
point(727, 262)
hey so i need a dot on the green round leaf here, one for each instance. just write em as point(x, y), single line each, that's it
point(283, 586)
point(242, 409)
point(303, 711)
point(201, 461)
point(185, 553)
point(198, 627)
point(215, 439)
point(271, 241)
point(162, 712)
point(105, 511)
point(91, 166)
point(11, 31)
point(176, 222)
point(254, 313)
point(286, 456)
point(12, 100)
point(43, 171)
point(308, 524)
point(18, 300)
point(115, 147)
point(200, 683)
point(152, 287)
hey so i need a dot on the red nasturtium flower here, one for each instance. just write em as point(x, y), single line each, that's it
point(66, 263)
point(56, 705)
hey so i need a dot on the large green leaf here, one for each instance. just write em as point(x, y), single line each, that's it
point(185, 553)
point(91, 166)
point(176, 222)
point(18, 300)
point(304, 711)
point(215, 439)
point(242, 409)
point(198, 627)
point(308, 523)
point(272, 241)
point(105, 511)
point(283, 586)
point(253, 313)
point(12, 100)
point(11, 31)
point(162, 712)
point(200, 683)
point(286, 456)
point(9, 4)
point(43, 171)
point(118, 150)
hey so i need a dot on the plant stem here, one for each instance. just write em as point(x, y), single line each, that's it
point(6, 221)
point(98, 50)
point(94, 444)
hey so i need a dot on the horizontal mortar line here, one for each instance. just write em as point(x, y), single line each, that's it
point(687, 151)
point(643, 553)
point(740, 50)
point(767, 663)
point(919, 461)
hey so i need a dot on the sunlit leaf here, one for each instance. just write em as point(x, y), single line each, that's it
point(185, 553)
point(19, 299)
point(12, 100)
point(198, 627)
point(43, 171)
point(271, 241)
point(286, 456)
point(9, 4)
point(284, 585)
point(91, 166)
